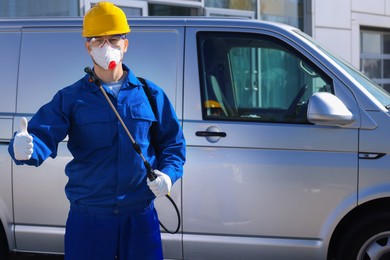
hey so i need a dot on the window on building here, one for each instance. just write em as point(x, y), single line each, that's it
point(247, 5)
point(129, 7)
point(293, 12)
point(229, 13)
point(375, 56)
point(231, 8)
point(289, 12)
point(172, 10)
point(22, 8)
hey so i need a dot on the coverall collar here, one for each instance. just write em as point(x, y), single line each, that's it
point(130, 82)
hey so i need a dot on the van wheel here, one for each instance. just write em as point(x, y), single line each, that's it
point(368, 238)
point(4, 251)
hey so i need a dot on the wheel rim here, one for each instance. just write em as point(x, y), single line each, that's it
point(376, 247)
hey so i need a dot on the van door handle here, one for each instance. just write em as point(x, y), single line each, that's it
point(208, 134)
point(212, 134)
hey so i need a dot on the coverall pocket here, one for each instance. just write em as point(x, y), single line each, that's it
point(94, 128)
point(142, 111)
point(142, 117)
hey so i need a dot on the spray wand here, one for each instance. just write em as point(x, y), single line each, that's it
point(150, 173)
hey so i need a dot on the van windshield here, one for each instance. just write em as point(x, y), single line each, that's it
point(379, 93)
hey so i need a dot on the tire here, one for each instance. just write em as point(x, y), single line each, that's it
point(368, 238)
point(4, 251)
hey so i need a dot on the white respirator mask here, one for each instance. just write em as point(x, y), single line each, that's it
point(106, 56)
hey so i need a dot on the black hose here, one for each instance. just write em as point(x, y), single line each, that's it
point(178, 217)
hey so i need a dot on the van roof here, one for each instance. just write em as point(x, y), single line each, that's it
point(45, 22)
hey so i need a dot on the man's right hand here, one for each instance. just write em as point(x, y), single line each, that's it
point(23, 142)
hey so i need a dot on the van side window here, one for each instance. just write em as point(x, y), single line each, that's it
point(249, 77)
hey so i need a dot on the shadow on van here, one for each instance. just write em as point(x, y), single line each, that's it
point(29, 256)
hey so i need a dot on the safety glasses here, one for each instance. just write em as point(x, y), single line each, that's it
point(112, 40)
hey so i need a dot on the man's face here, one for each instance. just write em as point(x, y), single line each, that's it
point(107, 51)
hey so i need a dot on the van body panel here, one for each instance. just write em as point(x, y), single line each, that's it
point(41, 51)
point(210, 247)
point(6, 214)
point(40, 238)
point(10, 45)
point(165, 56)
point(298, 166)
point(374, 160)
point(254, 186)
point(5, 128)
point(39, 197)
point(372, 140)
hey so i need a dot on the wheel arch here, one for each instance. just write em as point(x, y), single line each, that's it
point(4, 241)
point(367, 209)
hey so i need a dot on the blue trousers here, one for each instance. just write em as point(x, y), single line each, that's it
point(101, 233)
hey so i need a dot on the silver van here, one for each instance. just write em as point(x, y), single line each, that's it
point(288, 148)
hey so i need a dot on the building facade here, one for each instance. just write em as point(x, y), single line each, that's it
point(356, 30)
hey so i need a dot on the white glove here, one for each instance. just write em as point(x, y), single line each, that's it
point(161, 186)
point(23, 145)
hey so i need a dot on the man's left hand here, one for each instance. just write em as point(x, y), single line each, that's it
point(161, 186)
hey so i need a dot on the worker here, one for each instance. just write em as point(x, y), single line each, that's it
point(112, 214)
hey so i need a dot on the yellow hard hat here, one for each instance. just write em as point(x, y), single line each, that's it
point(212, 104)
point(103, 19)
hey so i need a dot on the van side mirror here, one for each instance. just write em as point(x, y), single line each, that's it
point(327, 109)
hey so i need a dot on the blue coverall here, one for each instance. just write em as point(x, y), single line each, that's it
point(112, 210)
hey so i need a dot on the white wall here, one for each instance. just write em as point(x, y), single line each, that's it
point(336, 24)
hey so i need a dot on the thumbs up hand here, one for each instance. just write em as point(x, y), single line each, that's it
point(23, 145)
